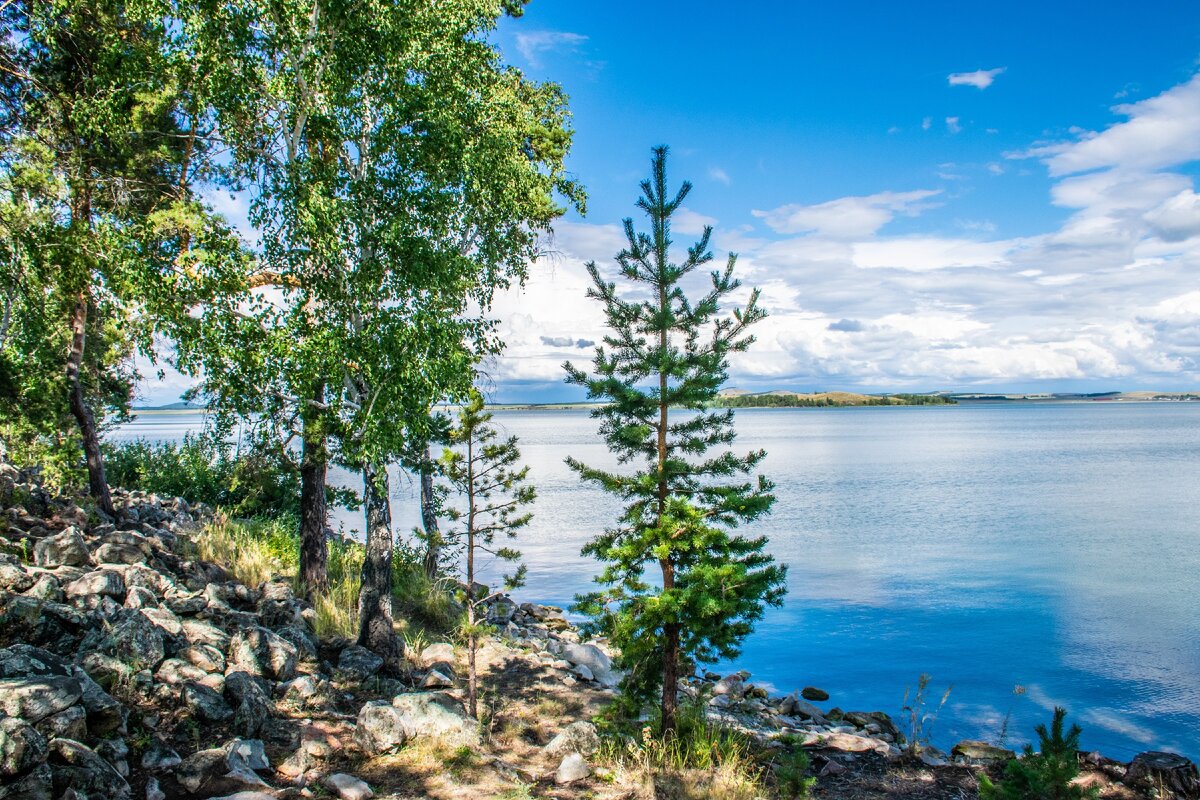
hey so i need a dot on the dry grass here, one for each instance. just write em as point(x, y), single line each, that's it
point(255, 551)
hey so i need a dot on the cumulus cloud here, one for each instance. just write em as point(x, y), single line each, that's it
point(848, 217)
point(1160, 132)
point(980, 78)
point(953, 125)
point(532, 45)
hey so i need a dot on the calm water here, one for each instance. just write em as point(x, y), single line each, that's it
point(1054, 547)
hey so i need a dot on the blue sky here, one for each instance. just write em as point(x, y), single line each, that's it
point(930, 195)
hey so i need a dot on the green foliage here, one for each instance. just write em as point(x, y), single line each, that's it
point(260, 482)
point(492, 493)
point(669, 352)
point(1046, 774)
point(791, 775)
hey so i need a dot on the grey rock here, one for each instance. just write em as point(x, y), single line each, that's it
point(159, 757)
point(222, 769)
point(975, 752)
point(379, 729)
point(251, 701)
point(38, 784)
point(438, 716)
point(140, 597)
point(204, 656)
point(348, 787)
point(262, 652)
point(573, 767)
point(102, 582)
point(76, 766)
point(578, 737)
point(113, 553)
point(153, 790)
point(814, 694)
point(441, 651)
point(14, 579)
point(199, 632)
point(21, 748)
point(64, 549)
point(34, 699)
point(70, 723)
point(206, 703)
point(138, 641)
point(436, 679)
point(176, 671)
point(358, 663)
point(595, 659)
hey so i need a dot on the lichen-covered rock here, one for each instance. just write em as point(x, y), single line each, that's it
point(21, 748)
point(379, 729)
point(262, 652)
point(974, 752)
point(14, 579)
point(138, 641)
point(251, 702)
point(578, 737)
point(37, 784)
point(206, 703)
point(101, 582)
point(436, 715)
point(358, 663)
point(114, 553)
point(35, 698)
point(76, 766)
point(63, 549)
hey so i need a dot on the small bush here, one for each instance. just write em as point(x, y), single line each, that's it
point(1045, 775)
point(791, 775)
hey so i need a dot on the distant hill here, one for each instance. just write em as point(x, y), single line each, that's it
point(179, 406)
point(783, 398)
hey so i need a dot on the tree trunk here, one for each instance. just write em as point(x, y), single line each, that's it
point(314, 550)
point(376, 630)
point(471, 601)
point(97, 482)
point(433, 540)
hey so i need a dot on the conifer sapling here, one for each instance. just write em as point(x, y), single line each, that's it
point(657, 375)
point(492, 493)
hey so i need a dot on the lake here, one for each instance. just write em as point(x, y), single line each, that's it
point(1054, 547)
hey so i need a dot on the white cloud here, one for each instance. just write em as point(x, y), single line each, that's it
point(533, 44)
point(980, 78)
point(848, 217)
point(926, 123)
point(719, 175)
point(685, 220)
point(1161, 131)
point(1177, 218)
point(953, 125)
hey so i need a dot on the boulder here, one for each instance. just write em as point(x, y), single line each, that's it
point(573, 767)
point(206, 703)
point(101, 582)
point(138, 641)
point(63, 549)
point(251, 702)
point(578, 737)
point(70, 723)
point(976, 752)
point(76, 766)
point(379, 729)
point(262, 652)
point(34, 699)
point(348, 787)
point(595, 659)
point(113, 553)
point(814, 694)
point(438, 716)
point(21, 748)
point(223, 769)
point(14, 579)
point(1154, 769)
point(358, 663)
point(37, 784)
point(441, 651)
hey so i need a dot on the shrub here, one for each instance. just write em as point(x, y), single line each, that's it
point(260, 482)
point(791, 775)
point(1045, 775)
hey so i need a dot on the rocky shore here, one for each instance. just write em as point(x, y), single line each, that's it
point(129, 668)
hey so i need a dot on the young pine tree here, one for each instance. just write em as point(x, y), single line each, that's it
point(492, 493)
point(658, 373)
point(1046, 774)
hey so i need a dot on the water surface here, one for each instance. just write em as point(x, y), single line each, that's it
point(1050, 546)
